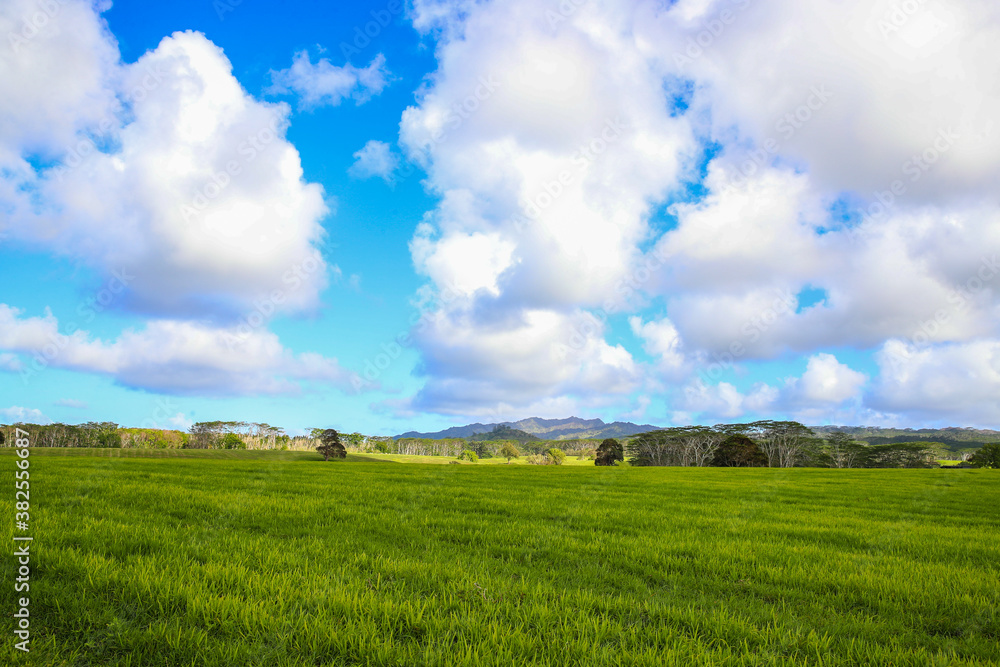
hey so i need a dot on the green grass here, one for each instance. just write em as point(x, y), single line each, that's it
point(277, 558)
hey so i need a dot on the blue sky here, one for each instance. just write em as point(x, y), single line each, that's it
point(484, 211)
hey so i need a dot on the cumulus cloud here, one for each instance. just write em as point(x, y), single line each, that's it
point(21, 415)
point(520, 360)
point(856, 91)
point(722, 401)
point(855, 158)
point(825, 381)
point(326, 84)
point(958, 381)
point(175, 357)
point(546, 144)
point(662, 340)
point(209, 206)
point(827, 387)
point(376, 158)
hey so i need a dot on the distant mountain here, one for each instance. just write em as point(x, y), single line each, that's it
point(503, 432)
point(572, 428)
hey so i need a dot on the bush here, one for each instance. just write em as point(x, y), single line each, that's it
point(556, 455)
point(537, 460)
point(468, 455)
point(232, 441)
point(988, 456)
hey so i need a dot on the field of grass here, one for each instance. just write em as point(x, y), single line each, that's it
point(277, 558)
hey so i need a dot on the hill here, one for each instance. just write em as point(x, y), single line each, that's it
point(954, 438)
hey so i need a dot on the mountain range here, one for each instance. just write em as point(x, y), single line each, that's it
point(572, 428)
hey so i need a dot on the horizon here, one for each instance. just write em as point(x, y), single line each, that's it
point(386, 217)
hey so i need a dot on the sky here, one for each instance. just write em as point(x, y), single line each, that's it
point(389, 216)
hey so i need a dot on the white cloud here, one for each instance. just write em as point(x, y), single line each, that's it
point(175, 357)
point(662, 340)
point(20, 415)
point(826, 388)
point(825, 381)
point(517, 360)
point(811, 131)
point(325, 84)
point(209, 205)
point(953, 383)
point(375, 158)
point(547, 144)
point(723, 401)
point(892, 85)
point(58, 71)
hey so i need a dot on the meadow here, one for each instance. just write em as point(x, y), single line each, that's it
point(179, 557)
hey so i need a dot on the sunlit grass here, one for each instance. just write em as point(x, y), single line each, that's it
point(277, 558)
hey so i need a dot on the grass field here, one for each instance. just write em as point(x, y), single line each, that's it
point(277, 558)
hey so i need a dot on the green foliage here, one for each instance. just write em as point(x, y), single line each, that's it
point(510, 451)
point(468, 455)
point(330, 445)
point(556, 455)
point(738, 451)
point(609, 452)
point(232, 441)
point(988, 456)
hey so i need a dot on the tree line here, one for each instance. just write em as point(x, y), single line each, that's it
point(775, 444)
point(762, 443)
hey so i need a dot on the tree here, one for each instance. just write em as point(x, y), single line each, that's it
point(738, 451)
point(844, 451)
point(610, 451)
point(469, 456)
point(330, 445)
point(510, 451)
point(784, 443)
point(355, 440)
point(988, 456)
point(556, 455)
point(232, 441)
